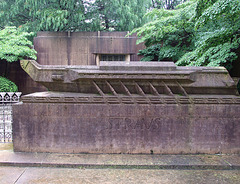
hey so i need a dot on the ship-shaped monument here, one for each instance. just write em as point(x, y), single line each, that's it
point(111, 104)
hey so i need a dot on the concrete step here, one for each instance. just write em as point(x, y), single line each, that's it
point(118, 161)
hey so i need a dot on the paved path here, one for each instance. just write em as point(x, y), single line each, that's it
point(31, 168)
point(125, 176)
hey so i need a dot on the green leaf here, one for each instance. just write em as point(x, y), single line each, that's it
point(14, 45)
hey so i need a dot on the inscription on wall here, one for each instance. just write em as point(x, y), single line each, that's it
point(132, 123)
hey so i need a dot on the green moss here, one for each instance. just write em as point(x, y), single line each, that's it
point(7, 85)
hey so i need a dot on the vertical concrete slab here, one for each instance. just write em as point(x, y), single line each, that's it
point(126, 128)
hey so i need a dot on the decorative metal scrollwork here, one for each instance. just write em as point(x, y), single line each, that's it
point(10, 97)
point(7, 99)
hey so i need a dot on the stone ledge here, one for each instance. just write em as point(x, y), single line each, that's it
point(118, 161)
point(55, 97)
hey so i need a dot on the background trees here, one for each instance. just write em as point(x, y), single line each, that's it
point(14, 45)
point(73, 15)
point(217, 35)
point(42, 15)
point(116, 15)
point(197, 33)
point(169, 34)
point(167, 4)
point(189, 32)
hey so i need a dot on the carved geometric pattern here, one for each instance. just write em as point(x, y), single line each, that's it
point(133, 99)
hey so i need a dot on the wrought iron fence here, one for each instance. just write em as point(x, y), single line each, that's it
point(6, 101)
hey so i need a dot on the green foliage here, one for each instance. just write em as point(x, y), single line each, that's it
point(171, 30)
point(55, 15)
point(116, 15)
point(220, 55)
point(14, 45)
point(43, 15)
point(217, 35)
point(217, 11)
point(150, 53)
point(202, 5)
point(196, 33)
point(170, 4)
point(73, 15)
point(7, 86)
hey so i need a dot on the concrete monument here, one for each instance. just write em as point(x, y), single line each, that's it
point(128, 107)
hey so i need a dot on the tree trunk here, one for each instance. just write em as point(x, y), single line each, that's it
point(6, 69)
point(106, 22)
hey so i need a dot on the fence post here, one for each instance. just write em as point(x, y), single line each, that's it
point(7, 99)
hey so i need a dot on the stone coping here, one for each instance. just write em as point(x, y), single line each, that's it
point(128, 67)
point(64, 97)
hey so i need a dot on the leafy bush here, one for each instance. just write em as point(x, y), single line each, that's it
point(14, 45)
point(7, 86)
point(196, 33)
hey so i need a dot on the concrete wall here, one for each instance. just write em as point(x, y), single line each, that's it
point(81, 48)
point(96, 127)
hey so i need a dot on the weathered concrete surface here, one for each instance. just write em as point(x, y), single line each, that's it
point(116, 168)
point(117, 78)
point(10, 175)
point(167, 128)
point(120, 161)
point(109, 176)
point(81, 48)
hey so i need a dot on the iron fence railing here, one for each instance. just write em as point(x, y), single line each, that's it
point(7, 99)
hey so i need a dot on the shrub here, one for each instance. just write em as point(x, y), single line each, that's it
point(7, 85)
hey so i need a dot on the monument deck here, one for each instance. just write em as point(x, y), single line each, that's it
point(129, 107)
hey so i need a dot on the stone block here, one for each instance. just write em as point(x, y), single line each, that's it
point(78, 127)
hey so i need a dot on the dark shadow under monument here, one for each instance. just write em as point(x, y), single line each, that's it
point(128, 107)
